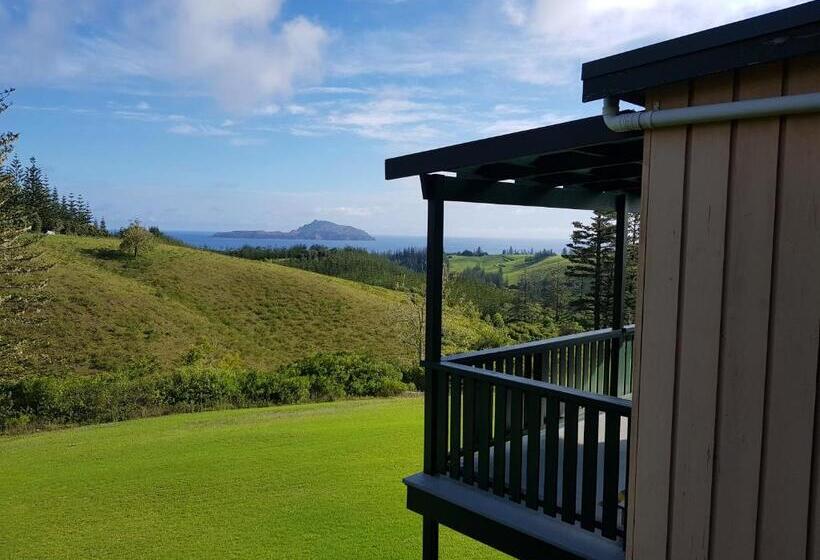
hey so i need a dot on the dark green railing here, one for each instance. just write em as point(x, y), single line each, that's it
point(567, 391)
point(581, 361)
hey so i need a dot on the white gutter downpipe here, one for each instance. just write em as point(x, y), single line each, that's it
point(749, 109)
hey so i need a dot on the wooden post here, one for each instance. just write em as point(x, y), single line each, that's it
point(433, 456)
point(619, 290)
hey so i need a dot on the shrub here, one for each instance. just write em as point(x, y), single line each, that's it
point(338, 374)
point(273, 388)
point(195, 387)
point(135, 390)
point(414, 377)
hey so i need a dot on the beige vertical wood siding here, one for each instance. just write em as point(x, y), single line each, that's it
point(725, 431)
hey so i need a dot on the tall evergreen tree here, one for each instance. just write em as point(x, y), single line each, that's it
point(633, 237)
point(591, 255)
point(21, 274)
point(37, 196)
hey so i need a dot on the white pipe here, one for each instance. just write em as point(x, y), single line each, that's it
point(749, 109)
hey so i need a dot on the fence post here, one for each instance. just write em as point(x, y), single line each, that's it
point(619, 293)
point(433, 459)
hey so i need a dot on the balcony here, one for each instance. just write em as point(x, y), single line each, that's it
point(529, 447)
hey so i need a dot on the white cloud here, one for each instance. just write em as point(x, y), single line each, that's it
point(398, 120)
point(191, 129)
point(294, 109)
point(538, 42)
point(242, 141)
point(241, 52)
point(142, 106)
point(267, 110)
point(505, 126)
point(347, 211)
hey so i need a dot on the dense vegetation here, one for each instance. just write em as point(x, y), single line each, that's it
point(521, 295)
point(198, 383)
point(350, 263)
point(44, 208)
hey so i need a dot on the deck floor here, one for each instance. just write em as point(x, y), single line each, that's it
point(599, 493)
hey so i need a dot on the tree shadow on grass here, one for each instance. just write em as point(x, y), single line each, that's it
point(106, 254)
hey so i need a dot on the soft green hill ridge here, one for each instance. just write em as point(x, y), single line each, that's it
point(106, 309)
point(512, 267)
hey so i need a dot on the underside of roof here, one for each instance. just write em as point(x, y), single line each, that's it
point(578, 164)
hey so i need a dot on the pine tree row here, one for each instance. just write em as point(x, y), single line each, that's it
point(43, 206)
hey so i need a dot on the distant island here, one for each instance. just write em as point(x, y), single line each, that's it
point(317, 229)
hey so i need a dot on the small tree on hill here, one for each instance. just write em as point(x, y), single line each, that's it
point(135, 239)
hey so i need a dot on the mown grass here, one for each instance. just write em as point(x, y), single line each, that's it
point(295, 482)
point(512, 267)
point(106, 310)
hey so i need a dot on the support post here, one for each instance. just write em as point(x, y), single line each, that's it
point(619, 292)
point(434, 450)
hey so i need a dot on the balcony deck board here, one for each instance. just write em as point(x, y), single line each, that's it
point(579, 469)
point(503, 524)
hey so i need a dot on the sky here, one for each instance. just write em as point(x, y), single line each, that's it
point(266, 114)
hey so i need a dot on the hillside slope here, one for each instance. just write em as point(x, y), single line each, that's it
point(513, 267)
point(106, 310)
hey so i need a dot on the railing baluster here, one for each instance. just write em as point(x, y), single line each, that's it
point(579, 366)
point(570, 467)
point(551, 456)
point(500, 442)
point(516, 421)
point(607, 365)
point(612, 448)
point(589, 484)
point(596, 360)
point(533, 449)
point(562, 366)
point(441, 422)
point(540, 365)
point(588, 366)
point(483, 428)
point(571, 366)
point(455, 426)
point(469, 430)
point(626, 477)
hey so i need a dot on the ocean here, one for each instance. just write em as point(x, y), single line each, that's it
point(381, 243)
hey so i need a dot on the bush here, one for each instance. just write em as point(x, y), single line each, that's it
point(135, 390)
point(194, 387)
point(414, 377)
point(339, 374)
point(273, 388)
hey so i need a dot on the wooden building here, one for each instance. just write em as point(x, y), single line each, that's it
point(705, 440)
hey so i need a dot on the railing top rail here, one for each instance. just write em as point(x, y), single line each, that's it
point(538, 345)
point(603, 403)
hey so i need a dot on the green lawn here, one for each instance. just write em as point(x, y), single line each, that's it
point(513, 267)
point(308, 481)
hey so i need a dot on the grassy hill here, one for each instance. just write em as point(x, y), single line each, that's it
point(297, 482)
point(106, 309)
point(513, 267)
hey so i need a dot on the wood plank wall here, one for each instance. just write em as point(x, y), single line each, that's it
point(726, 453)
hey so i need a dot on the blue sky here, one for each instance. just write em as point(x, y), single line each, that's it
point(265, 114)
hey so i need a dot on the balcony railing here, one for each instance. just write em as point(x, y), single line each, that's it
point(536, 423)
point(579, 361)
